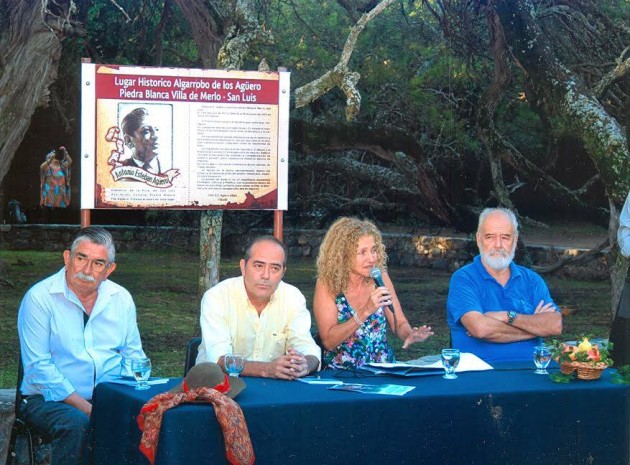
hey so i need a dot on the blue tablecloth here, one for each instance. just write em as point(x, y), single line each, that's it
point(504, 416)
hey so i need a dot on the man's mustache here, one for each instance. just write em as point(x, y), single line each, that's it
point(502, 252)
point(84, 277)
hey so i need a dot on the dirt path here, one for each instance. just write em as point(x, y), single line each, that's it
point(584, 237)
point(573, 235)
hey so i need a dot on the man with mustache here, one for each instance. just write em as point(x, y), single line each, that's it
point(140, 134)
point(260, 317)
point(77, 329)
point(496, 309)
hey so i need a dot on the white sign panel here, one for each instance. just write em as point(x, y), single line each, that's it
point(183, 138)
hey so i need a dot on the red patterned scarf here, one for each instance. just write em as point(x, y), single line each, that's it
point(238, 445)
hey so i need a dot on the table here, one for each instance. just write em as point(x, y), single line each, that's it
point(504, 416)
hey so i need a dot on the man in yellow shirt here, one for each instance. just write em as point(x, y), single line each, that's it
point(259, 316)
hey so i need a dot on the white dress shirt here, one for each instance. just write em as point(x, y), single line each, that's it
point(59, 354)
point(623, 233)
point(231, 324)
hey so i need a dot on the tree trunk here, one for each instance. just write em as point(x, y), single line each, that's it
point(210, 225)
point(30, 49)
point(207, 27)
point(224, 38)
point(487, 106)
point(563, 93)
point(208, 31)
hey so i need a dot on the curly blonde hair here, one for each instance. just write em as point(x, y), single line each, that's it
point(338, 250)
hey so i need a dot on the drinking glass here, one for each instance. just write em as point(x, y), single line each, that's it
point(450, 360)
point(234, 364)
point(542, 357)
point(141, 369)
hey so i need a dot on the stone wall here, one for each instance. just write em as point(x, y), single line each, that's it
point(436, 252)
point(7, 400)
point(58, 237)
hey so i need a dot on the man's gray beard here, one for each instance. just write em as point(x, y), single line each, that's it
point(498, 261)
point(85, 277)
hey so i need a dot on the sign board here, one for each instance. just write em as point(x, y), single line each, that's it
point(183, 138)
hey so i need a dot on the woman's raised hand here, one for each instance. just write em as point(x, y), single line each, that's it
point(417, 334)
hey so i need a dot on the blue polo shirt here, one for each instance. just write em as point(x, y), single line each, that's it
point(473, 289)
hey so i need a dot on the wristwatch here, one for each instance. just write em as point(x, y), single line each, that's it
point(511, 317)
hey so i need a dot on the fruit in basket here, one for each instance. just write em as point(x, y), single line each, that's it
point(585, 345)
point(583, 353)
point(569, 351)
point(585, 360)
point(594, 354)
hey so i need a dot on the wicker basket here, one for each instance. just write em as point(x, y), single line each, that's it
point(583, 370)
point(567, 368)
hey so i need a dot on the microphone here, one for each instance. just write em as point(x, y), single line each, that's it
point(376, 275)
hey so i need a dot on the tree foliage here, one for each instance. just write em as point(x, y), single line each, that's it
point(405, 111)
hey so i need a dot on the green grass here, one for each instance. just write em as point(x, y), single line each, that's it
point(164, 286)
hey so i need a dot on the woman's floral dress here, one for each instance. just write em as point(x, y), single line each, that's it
point(367, 344)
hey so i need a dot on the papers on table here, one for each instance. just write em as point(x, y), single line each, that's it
point(336, 385)
point(430, 365)
point(387, 389)
point(318, 380)
point(129, 381)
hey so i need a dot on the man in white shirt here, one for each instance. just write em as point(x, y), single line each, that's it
point(620, 329)
point(76, 329)
point(259, 316)
point(623, 233)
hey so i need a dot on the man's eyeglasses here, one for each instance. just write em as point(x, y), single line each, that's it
point(82, 261)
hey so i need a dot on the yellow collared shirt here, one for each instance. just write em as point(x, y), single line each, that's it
point(231, 324)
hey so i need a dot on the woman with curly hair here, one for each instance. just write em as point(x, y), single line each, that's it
point(351, 313)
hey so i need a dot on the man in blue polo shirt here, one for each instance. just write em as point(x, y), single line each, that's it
point(496, 309)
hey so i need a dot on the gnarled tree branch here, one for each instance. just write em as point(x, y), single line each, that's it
point(340, 76)
point(617, 74)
